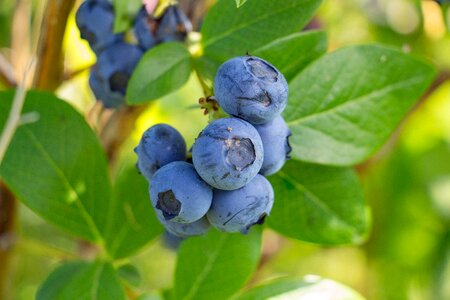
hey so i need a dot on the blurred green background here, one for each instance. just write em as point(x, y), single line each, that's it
point(407, 183)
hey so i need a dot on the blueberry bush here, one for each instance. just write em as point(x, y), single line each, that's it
point(282, 124)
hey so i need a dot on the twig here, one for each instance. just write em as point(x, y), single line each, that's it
point(20, 52)
point(117, 128)
point(14, 117)
point(7, 72)
point(195, 10)
point(50, 69)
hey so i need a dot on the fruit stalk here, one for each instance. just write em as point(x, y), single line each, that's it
point(50, 68)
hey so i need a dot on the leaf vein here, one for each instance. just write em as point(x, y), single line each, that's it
point(362, 98)
point(96, 283)
point(65, 181)
point(317, 202)
point(243, 25)
point(209, 263)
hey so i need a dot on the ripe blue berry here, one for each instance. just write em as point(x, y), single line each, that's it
point(111, 73)
point(251, 88)
point(95, 19)
point(143, 29)
point(160, 144)
point(274, 136)
point(238, 210)
point(173, 25)
point(171, 241)
point(228, 153)
point(185, 230)
point(102, 91)
point(178, 194)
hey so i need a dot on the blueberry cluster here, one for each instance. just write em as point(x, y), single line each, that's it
point(117, 58)
point(224, 186)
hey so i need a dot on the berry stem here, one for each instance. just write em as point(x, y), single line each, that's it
point(207, 90)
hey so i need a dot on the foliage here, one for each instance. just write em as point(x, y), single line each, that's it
point(343, 106)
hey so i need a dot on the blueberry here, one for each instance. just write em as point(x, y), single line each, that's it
point(228, 153)
point(185, 230)
point(251, 88)
point(178, 194)
point(95, 19)
point(170, 240)
point(101, 91)
point(238, 210)
point(173, 25)
point(144, 26)
point(111, 73)
point(274, 136)
point(160, 144)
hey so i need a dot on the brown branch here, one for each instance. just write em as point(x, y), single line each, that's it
point(50, 65)
point(117, 128)
point(195, 10)
point(7, 237)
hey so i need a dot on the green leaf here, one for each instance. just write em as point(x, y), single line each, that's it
point(160, 71)
point(343, 107)
point(207, 69)
point(239, 3)
point(124, 12)
point(228, 31)
point(56, 166)
point(318, 204)
point(446, 14)
point(82, 281)
point(216, 265)
point(311, 287)
point(292, 53)
point(130, 274)
point(131, 205)
point(153, 296)
point(441, 286)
